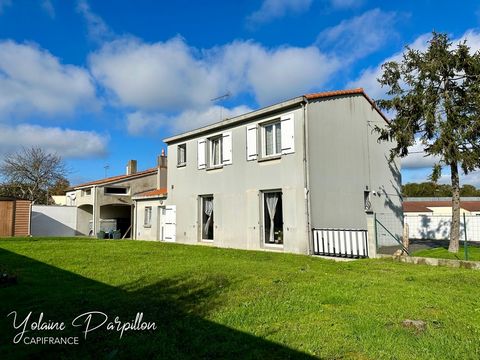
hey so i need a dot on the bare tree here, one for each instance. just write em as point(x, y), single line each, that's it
point(30, 172)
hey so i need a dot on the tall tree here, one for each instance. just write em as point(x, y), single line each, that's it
point(435, 98)
point(30, 172)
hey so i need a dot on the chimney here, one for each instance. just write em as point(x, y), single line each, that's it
point(162, 170)
point(131, 167)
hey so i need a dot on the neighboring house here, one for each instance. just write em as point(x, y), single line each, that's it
point(107, 204)
point(282, 177)
point(150, 216)
point(431, 218)
point(15, 217)
point(439, 206)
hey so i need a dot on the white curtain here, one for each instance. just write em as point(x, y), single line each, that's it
point(208, 209)
point(271, 200)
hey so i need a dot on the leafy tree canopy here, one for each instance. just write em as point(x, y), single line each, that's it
point(431, 189)
point(434, 96)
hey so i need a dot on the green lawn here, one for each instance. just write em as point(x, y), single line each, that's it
point(442, 253)
point(220, 303)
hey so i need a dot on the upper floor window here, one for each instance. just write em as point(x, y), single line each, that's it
point(86, 192)
point(215, 151)
point(116, 191)
point(181, 154)
point(272, 139)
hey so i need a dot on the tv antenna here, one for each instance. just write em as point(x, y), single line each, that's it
point(106, 167)
point(221, 98)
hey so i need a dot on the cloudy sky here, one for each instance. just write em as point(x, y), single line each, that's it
point(101, 82)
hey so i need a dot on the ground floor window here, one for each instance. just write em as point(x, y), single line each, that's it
point(207, 217)
point(147, 221)
point(273, 217)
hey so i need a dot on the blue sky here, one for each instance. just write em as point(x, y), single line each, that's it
point(102, 82)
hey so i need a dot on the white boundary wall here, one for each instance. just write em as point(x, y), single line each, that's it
point(437, 227)
point(52, 220)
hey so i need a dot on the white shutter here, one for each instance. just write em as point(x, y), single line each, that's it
point(170, 223)
point(202, 163)
point(252, 142)
point(288, 141)
point(227, 148)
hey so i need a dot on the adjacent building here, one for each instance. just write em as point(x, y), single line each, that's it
point(299, 176)
point(107, 204)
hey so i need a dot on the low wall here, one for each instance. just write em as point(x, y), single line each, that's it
point(52, 220)
point(437, 227)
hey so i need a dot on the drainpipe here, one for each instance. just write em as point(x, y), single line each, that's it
point(306, 176)
point(94, 211)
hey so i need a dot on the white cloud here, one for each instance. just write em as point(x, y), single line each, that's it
point(194, 119)
point(4, 4)
point(140, 123)
point(47, 6)
point(417, 159)
point(171, 76)
point(97, 29)
point(360, 35)
point(163, 75)
point(34, 81)
point(66, 142)
point(368, 77)
point(273, 9)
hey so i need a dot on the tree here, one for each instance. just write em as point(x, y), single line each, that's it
point(435, 98)
point(30, 172)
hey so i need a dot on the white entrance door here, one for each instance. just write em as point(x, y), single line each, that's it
point(161, 223)
point(170, 223)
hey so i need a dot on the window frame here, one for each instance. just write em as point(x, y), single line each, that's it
point(184, 162)
point(147, 217)
point(127, 190)
point(202, 199)
point(275, 123)
point(211, 141)
point(264, 243)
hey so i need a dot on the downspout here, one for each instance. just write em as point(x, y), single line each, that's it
point(94, 211)
point(306, 176)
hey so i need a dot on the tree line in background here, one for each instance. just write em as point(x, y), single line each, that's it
point(432, 189)
point(33, 174)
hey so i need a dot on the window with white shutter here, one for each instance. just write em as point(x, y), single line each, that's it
point(227, 148)
point(252, 142)
point(287, 133)
point(201, 152)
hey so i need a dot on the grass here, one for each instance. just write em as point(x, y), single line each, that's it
point(219, 303)
point(443, 253)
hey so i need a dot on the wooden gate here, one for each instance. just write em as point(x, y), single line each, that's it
point(6, 217)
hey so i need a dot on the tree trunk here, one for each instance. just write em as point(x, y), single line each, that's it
point(455, 228)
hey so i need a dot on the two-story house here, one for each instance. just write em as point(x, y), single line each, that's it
point(281, 177)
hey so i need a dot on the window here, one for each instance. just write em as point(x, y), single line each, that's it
point(86, 192)
point(207, 217)
point(116, 191)
point(272, 218)
point(272, 139)
point(216, 152)
point(181, 154)
point(147, 220)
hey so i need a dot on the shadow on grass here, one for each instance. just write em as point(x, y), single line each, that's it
point(176, 305)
